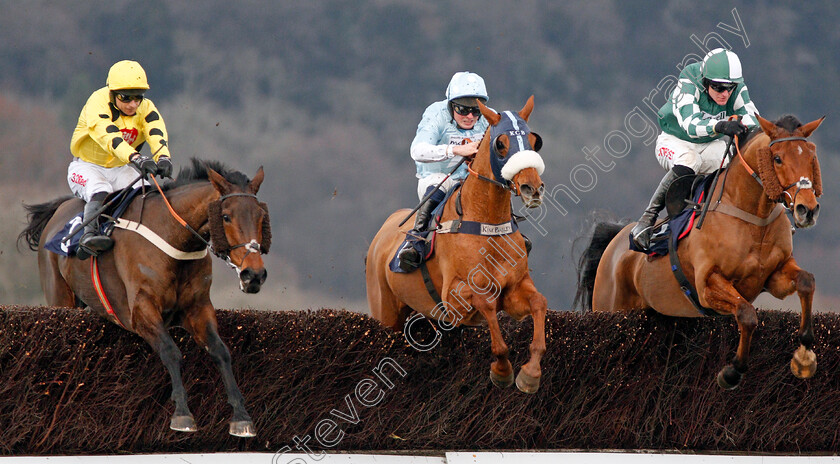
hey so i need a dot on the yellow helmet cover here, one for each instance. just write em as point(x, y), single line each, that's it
point(127, 74)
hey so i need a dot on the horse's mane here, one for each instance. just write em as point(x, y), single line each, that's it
point(787, 122)
point(196, 171)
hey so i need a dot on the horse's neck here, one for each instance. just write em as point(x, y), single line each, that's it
point(190, 203)
point(485, 202)
point(744, 192)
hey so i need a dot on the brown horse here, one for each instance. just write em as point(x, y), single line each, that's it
point(476, 276)
point(145, 289)
point(744, 247)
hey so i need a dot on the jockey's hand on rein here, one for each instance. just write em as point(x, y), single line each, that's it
point(164, 167)
point(143, 164)
point(731, 128)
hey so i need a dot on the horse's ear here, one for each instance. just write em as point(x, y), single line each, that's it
point(525, 112)
point(219, 182)
point(768, 127)
point(492, 117)
point(807, 129)
point(254, 185)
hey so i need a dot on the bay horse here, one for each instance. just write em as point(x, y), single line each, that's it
point(475, 276)
point(744, 247)
point(147, 290)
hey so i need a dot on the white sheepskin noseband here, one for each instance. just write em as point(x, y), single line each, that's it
point(522, 160)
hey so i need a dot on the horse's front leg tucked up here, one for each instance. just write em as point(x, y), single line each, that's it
point(722, 296)
point(203, 327)
point(789, 278)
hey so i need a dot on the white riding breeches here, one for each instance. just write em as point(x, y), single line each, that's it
point(86, 179)
point(703, 158)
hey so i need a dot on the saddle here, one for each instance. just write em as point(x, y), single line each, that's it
point(424, 242)
point(683, 201)
point(57, 243)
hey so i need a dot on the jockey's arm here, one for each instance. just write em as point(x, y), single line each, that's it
point(155, 132)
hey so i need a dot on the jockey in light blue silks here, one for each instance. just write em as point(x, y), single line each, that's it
point(449, 130)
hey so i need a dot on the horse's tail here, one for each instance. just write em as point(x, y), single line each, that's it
point(602, 235)
point(38, 216)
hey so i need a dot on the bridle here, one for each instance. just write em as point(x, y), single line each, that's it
point(251, 246)
point(803, 183)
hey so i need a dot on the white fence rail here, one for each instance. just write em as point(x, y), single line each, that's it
point(460, 457)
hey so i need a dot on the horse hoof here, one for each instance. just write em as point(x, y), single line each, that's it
point(244, 429)
point(501, 382)
point(183, 424)
point(728, 378)
point(804, 363)
point(527, 384)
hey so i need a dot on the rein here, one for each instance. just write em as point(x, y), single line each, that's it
point(509, 186)
point(251, 247)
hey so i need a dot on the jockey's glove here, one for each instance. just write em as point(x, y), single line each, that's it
point(164, 167)
point(143, 164)
point(731, 128)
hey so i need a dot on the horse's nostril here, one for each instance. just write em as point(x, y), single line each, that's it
point(802, 210)
point(247, 275)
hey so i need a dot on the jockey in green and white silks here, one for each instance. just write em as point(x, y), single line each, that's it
point(694, 121)
point(449, 130)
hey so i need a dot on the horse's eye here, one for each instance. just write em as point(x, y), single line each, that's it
point(777, 159)
point(226, 217)
point(499, 145)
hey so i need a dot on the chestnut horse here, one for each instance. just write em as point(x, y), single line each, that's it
point(145, 289)
point(744, 247)
point(476, 276)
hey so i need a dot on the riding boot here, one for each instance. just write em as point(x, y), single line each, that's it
point(409, 257)
point(528, 244)
point(644, 227)
point(92, 242)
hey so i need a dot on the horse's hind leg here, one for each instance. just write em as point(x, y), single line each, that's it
point(56, 290)
point(203, 327)
point(150, 326)
point(721, 295)
point(782, 283)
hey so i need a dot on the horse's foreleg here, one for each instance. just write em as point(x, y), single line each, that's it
point(204, 330)
point(501, 371)
point(528, 379)
point(789, 278)
point(721, 295)
point(151, 328)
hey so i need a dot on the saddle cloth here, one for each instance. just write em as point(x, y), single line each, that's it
point(68, 248)
point(677, 227)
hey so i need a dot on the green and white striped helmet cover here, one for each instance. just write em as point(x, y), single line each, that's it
point(722, 65)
